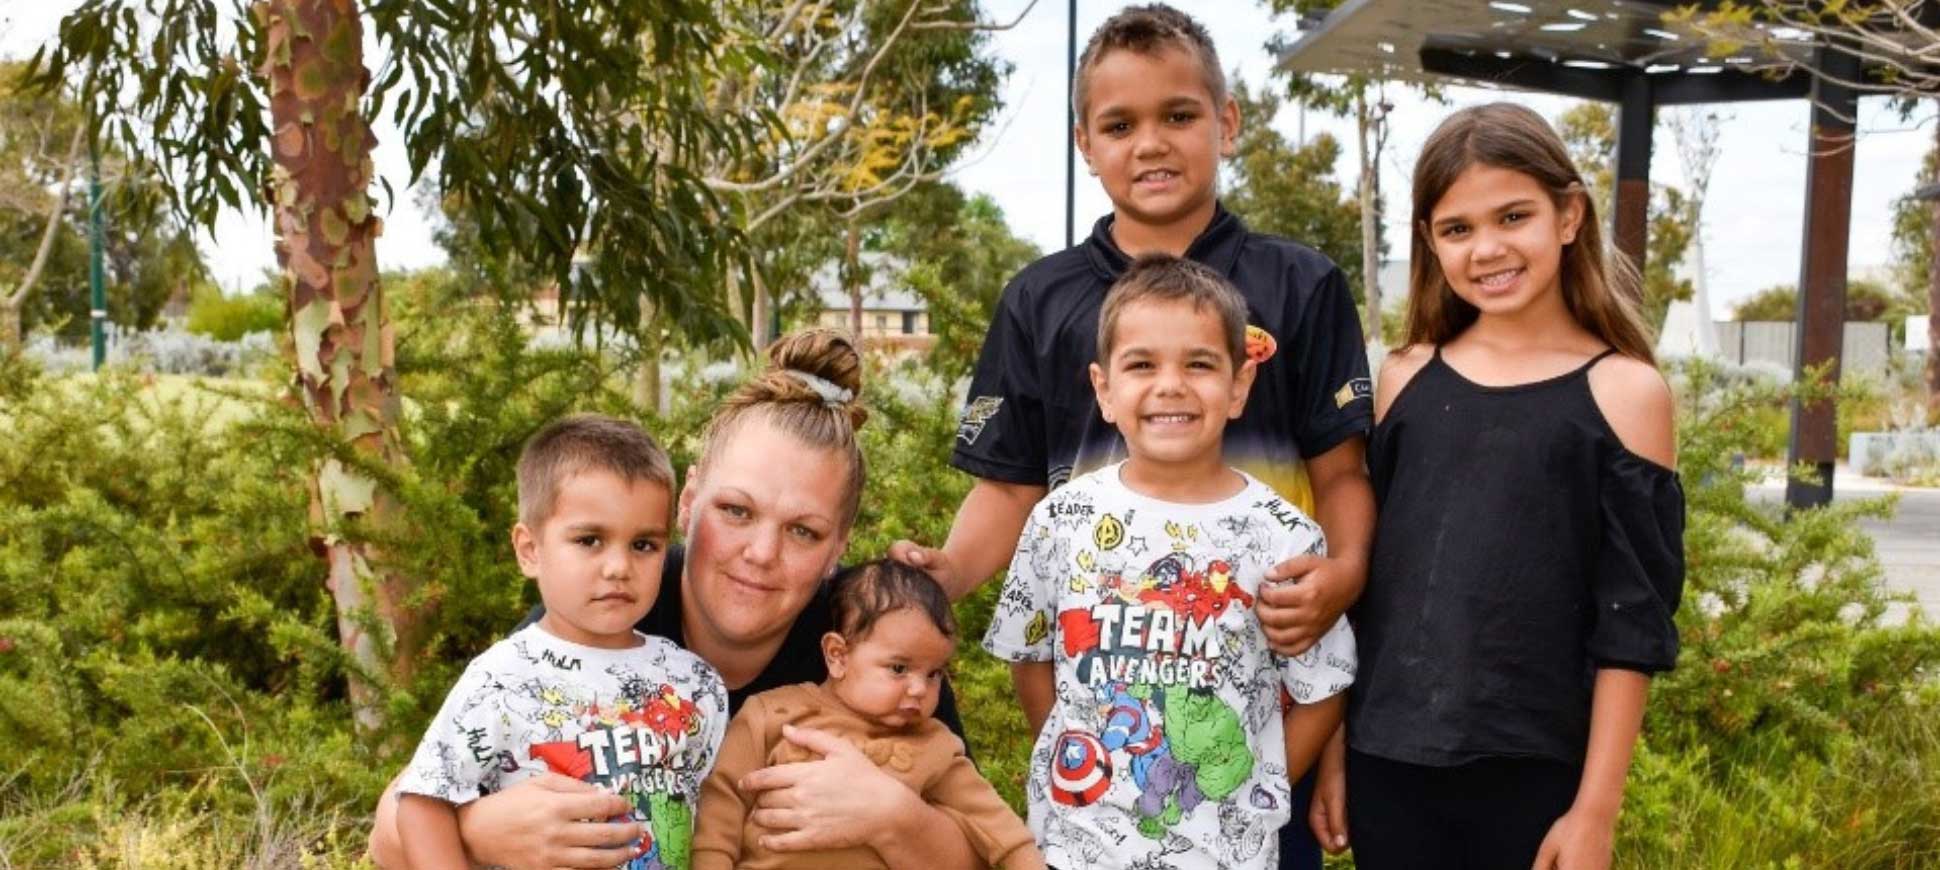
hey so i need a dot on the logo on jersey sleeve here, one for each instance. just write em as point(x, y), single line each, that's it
point(975, 415)
point(1260, 345)
point(1353, 391)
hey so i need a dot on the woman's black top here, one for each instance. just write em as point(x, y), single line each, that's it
point(1520, 547)
point(799, 660)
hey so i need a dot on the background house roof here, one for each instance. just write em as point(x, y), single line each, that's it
point(886, 290)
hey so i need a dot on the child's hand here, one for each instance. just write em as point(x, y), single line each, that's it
point(1295, 615)
point(932, 560)
point(1580, 840)
point(1327, 816)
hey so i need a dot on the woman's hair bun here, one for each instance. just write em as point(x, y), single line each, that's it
point(811, 390)
point(798, 359)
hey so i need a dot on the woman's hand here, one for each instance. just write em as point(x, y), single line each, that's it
point(839, 802)
point(1327, 816)
point(543, 823)
point(1580, 840)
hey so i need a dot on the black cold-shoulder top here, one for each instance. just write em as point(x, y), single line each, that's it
point(1519, 548)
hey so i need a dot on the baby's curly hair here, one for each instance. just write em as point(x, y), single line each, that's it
point(867, 592)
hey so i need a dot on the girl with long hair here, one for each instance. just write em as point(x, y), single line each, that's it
point(1528, 555)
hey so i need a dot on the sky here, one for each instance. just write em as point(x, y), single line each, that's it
point(1754, 221)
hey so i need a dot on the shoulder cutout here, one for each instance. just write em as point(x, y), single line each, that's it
point(1400, 367)
point(1635, 400)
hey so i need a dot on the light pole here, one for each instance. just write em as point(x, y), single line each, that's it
point(1070, 124)
point(97, 292)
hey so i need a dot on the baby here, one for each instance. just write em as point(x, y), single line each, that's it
point(894, 636)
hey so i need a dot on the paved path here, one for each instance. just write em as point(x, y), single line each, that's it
point(1908, 544)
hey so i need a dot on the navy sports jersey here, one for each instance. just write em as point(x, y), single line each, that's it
point(1031, 416)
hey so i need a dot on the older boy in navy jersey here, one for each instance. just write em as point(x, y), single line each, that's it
point(1154, 119)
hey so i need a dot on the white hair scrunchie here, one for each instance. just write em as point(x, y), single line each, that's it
point(832, 394)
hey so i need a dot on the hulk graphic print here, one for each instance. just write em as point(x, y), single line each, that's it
point(1164, 747)
point(644, 723)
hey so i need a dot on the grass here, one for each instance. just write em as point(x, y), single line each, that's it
point(93, 825)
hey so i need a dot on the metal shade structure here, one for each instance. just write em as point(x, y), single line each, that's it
point(1584, 49)
point(1621, 51)
point(1617, 51)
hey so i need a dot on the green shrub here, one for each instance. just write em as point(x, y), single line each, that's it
point(171, 691)
point(1761, 420)
point(1799, 728)
point(228, 318)
point(134, 530)
point(164, 624)
point(1869, 803)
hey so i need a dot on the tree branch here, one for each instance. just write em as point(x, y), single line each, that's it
point(794, 89)
point(772, 211)
point(1888, 37)
point(28, 280)
point(806, 156)
point(976, 26)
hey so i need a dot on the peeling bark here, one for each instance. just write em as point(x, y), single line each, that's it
point(345, 375)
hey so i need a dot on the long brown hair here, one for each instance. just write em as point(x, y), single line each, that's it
point(1601, 289)
point(811, 389)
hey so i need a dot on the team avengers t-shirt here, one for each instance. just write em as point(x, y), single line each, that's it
point(1164, 747)
point(644, 723)
point(1031, 415)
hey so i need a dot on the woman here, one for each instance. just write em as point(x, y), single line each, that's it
point(766, 514)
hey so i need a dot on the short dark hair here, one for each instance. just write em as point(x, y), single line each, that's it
point(1165, 278)
point(1147, 30)
point(584, 442)
point(867, 592)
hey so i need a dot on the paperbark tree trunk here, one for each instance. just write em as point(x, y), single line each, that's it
point(345, 373)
